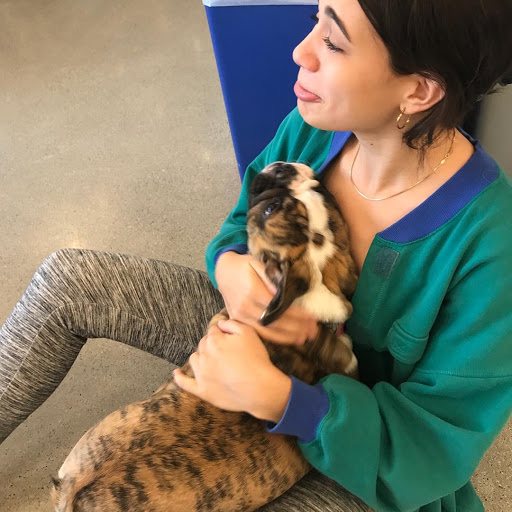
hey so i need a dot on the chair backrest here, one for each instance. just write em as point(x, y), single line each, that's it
point(253, 41)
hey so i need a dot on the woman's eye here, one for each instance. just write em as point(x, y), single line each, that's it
point(331, 47)
point(327, 41)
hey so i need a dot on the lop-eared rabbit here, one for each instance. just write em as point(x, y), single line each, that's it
point(176, 453)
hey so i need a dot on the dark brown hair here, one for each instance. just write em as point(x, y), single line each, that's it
point(464, 45)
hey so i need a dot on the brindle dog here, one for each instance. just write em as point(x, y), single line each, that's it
point(175, 453)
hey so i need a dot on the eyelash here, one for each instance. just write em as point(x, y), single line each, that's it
point(331, 47)
point(326, 40)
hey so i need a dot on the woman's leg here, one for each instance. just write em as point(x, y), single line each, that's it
point(316, 493)
point(157, 306)
point(76, 294)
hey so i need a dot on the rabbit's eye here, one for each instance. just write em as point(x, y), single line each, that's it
point(271, 208)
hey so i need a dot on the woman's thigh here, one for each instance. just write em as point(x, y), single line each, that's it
point(77, 294)
point(316, 493)
point(160, 307)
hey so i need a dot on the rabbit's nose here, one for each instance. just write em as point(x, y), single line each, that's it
point(273, 166)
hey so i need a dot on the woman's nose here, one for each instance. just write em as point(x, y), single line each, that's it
point(304, 54)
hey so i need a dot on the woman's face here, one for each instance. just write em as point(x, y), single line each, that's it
point(345, 64)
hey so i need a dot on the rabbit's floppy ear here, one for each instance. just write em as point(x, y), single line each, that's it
point(261, 183)
point(289, 287)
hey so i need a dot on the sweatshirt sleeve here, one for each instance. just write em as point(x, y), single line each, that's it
point(233, 234)
point(399, 448)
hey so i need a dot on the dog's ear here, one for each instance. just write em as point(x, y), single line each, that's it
point(289, 287)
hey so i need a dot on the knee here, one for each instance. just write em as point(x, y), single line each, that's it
point(53, 283)
point(59, 264)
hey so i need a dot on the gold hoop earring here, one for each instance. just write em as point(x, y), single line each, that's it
point(402, 112)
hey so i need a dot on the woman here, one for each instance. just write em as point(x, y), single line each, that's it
point(381, 88)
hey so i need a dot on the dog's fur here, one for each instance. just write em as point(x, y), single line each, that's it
point(175, 453)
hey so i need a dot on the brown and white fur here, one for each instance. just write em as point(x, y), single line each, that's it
point(175, 453)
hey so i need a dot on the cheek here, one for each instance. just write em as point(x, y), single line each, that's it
point(344, 90)
point(354, 95)
point(357, 75)
point(363, 94)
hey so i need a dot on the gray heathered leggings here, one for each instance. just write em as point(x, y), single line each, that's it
point(157, 306)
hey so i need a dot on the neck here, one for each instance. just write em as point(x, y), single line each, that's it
point(385, 164)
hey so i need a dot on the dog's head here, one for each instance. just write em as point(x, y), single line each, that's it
point(279, 228)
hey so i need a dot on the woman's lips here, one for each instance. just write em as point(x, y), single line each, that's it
point(304, 94)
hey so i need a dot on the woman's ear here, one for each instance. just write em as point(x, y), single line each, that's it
point(422, 95)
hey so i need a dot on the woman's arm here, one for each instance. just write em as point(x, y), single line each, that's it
point(399, 448)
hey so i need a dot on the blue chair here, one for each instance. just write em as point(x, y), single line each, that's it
point(253, 42)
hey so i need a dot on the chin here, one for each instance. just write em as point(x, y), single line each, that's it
point(312, 113)
point(315, 115)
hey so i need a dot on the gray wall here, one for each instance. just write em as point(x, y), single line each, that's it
point(495, 127)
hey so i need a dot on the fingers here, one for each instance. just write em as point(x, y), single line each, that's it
point(289, 329)
point(230, 326)
point(299, 313)
point(201, 346)
point(302, 321)
point(249, 309)
point(282, 336)
point(207, 344)
point(253, 312)
point(274, 335)
point(184, 381)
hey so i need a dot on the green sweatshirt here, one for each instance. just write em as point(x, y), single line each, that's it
point(432, 330)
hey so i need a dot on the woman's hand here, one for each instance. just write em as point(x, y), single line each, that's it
point(247, 291)
point(233, 371)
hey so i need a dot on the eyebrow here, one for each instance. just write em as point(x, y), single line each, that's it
point(329, 11)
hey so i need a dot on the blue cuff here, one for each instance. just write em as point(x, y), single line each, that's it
point(239, 248)
point(305, 410)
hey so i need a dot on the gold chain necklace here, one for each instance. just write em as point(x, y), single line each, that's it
point(412, 186)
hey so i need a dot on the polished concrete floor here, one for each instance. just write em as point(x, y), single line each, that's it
point(113, 136)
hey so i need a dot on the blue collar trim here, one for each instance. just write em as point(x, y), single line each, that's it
point(473, 177)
